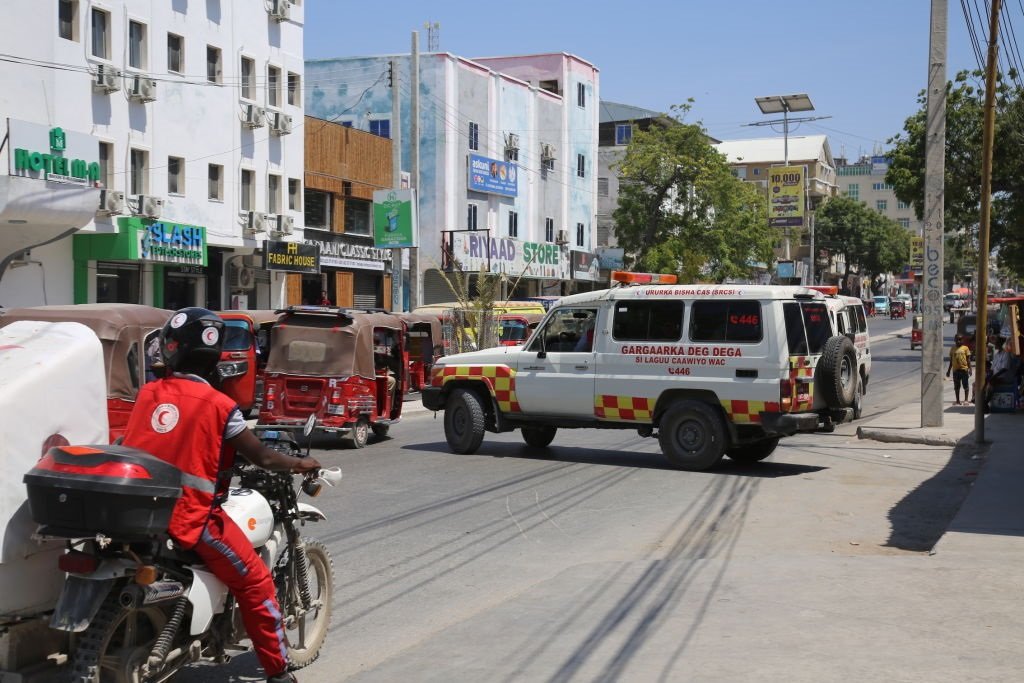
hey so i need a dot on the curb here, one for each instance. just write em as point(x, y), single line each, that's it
point(896, 435)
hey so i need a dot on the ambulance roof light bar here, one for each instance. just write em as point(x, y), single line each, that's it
point(627, 278)
point(828, 290)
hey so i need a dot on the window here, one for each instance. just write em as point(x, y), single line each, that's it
point(246, 195)
point(67, 19)
point(549, 229)
point(905, 223)
point(726, 321)
point(248, 78)
point(273, 86)
point(471, 217)
point(381, 127)
point(581, 166)
point(294, 194)
point(581, 95)
point(346, 188)
point(358, 217)
point(318, 209)
point(215, 182)
point(902, 205)
point(175, 53)
point(511, 154)
point(513, 224)
point(547, 164)
point(175, 175)
point(623, 133)
point(648, 321)
point(740, 172)
point(137, 45)
point(880, 186)
point(550, 86)
point(602, 187)
point(139, 171)
point(818, 327)
point(881, 205)
point(214, 69)
point(107, 164)
point(579, 235)
point(294, 89)
point(273, 193)
point(853, 191)
point(757, 171)
point(567, 329)
point(100, 33)
point(474, 136)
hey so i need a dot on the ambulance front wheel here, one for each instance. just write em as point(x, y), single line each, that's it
point(692, 435)
point(464, 422)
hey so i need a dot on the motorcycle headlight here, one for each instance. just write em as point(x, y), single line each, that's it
point(232, 369)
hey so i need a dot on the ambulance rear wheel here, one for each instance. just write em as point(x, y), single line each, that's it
point(464, 422)
point(692, 435)
point(539, 437)
point(753, 452)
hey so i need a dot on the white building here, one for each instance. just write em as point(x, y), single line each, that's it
point(177, 115)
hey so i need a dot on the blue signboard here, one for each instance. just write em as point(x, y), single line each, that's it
point(492, 175)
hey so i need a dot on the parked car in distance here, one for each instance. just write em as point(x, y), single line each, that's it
point(951, 301)
point(881, 305)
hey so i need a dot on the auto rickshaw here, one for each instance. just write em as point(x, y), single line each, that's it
point(517, 327)
point(916, 332)
point(424, 344)
point(335, 363)
point(129, 334)
point(897, 309)
point(244, 356)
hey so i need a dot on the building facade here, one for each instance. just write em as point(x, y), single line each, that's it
point(864, 180)
point(181, 115)
point(507, 149)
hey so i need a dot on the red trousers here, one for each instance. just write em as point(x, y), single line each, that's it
point(232, 559)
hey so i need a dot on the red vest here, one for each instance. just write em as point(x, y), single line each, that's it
point(182, 421)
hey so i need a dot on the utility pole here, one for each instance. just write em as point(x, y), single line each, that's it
point(934, 220)
point(396, 181)
point(987, 142)
point(414, 166)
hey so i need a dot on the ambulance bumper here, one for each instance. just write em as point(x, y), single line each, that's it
point(789, 423)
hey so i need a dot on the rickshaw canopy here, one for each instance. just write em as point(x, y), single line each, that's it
point(337, 344)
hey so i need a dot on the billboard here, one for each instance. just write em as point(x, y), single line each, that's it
point(394, 219)
point(475, 250)
point(493, 176)
point(291, 257)
point(917, 254)
point(786, 197)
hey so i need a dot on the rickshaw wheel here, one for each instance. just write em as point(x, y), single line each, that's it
point(359, 434)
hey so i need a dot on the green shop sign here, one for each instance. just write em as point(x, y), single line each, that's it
point(394, 219)
point(144, 239)
point(53, 165)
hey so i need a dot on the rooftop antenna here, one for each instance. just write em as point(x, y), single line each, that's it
point(433, 36)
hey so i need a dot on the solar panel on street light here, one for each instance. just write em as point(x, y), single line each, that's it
point(777, 104)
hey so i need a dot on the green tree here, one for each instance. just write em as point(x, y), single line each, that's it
point(682, 211)
point(866, 239)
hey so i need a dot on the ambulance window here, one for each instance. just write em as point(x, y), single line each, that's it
point(818, 327)
point(862, 321)
point(841, 323)
point(648, 321)
point(726, 321)
point(795, 336)
point(567, 330)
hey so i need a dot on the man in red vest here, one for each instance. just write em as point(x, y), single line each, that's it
point(183, 420)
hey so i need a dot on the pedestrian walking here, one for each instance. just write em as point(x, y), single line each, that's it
point(960, 365)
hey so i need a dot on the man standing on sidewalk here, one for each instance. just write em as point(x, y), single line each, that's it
point(960, 364)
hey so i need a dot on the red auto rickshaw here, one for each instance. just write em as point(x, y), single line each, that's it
point(423, 345)
point(516, 328)
point(917, 332)
point(244, 356)
point(334, 364)
point(129, 334)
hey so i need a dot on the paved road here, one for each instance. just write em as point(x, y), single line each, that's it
point(593, 560)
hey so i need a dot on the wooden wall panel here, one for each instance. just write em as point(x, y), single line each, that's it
point(387, 292)
point(344, 289)
point(335, 153)
point(293, 288)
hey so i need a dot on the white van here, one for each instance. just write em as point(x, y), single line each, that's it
point(713, 370)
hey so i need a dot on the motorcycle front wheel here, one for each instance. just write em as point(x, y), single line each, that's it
point(117, 643)
point(306, 630)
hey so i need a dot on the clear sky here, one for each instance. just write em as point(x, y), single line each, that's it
point(863, 62)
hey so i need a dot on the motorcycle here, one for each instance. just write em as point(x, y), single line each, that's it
point(142, 607)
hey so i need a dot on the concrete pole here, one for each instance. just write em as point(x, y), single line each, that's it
point(414, 165)
point(934, 220)
point(981, 295)
point(785, 159)
point(396, 180)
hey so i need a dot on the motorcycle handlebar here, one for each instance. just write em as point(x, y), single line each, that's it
point(328, 475)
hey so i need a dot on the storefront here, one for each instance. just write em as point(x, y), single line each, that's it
point(146, 261)
point(354, 273)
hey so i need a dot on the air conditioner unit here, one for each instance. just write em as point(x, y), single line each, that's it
point(254, 222)
point(547, 151)
point(142, 89)
point(149, 206)
point(111, 202)
point(563, 237)
point(253, 116)
point(281, 124)
point(245, 277)
point(280, 10)
point(107, 80)
point(283, 225)
point(511, 141)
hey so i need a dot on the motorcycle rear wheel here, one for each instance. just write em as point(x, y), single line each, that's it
point(306, 634)
point(116, 644)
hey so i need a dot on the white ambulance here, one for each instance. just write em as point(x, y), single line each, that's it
point(712, 370)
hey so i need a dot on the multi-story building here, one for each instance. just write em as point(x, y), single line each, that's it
point(507, 150)
point(149, 150)
point(864, 180)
